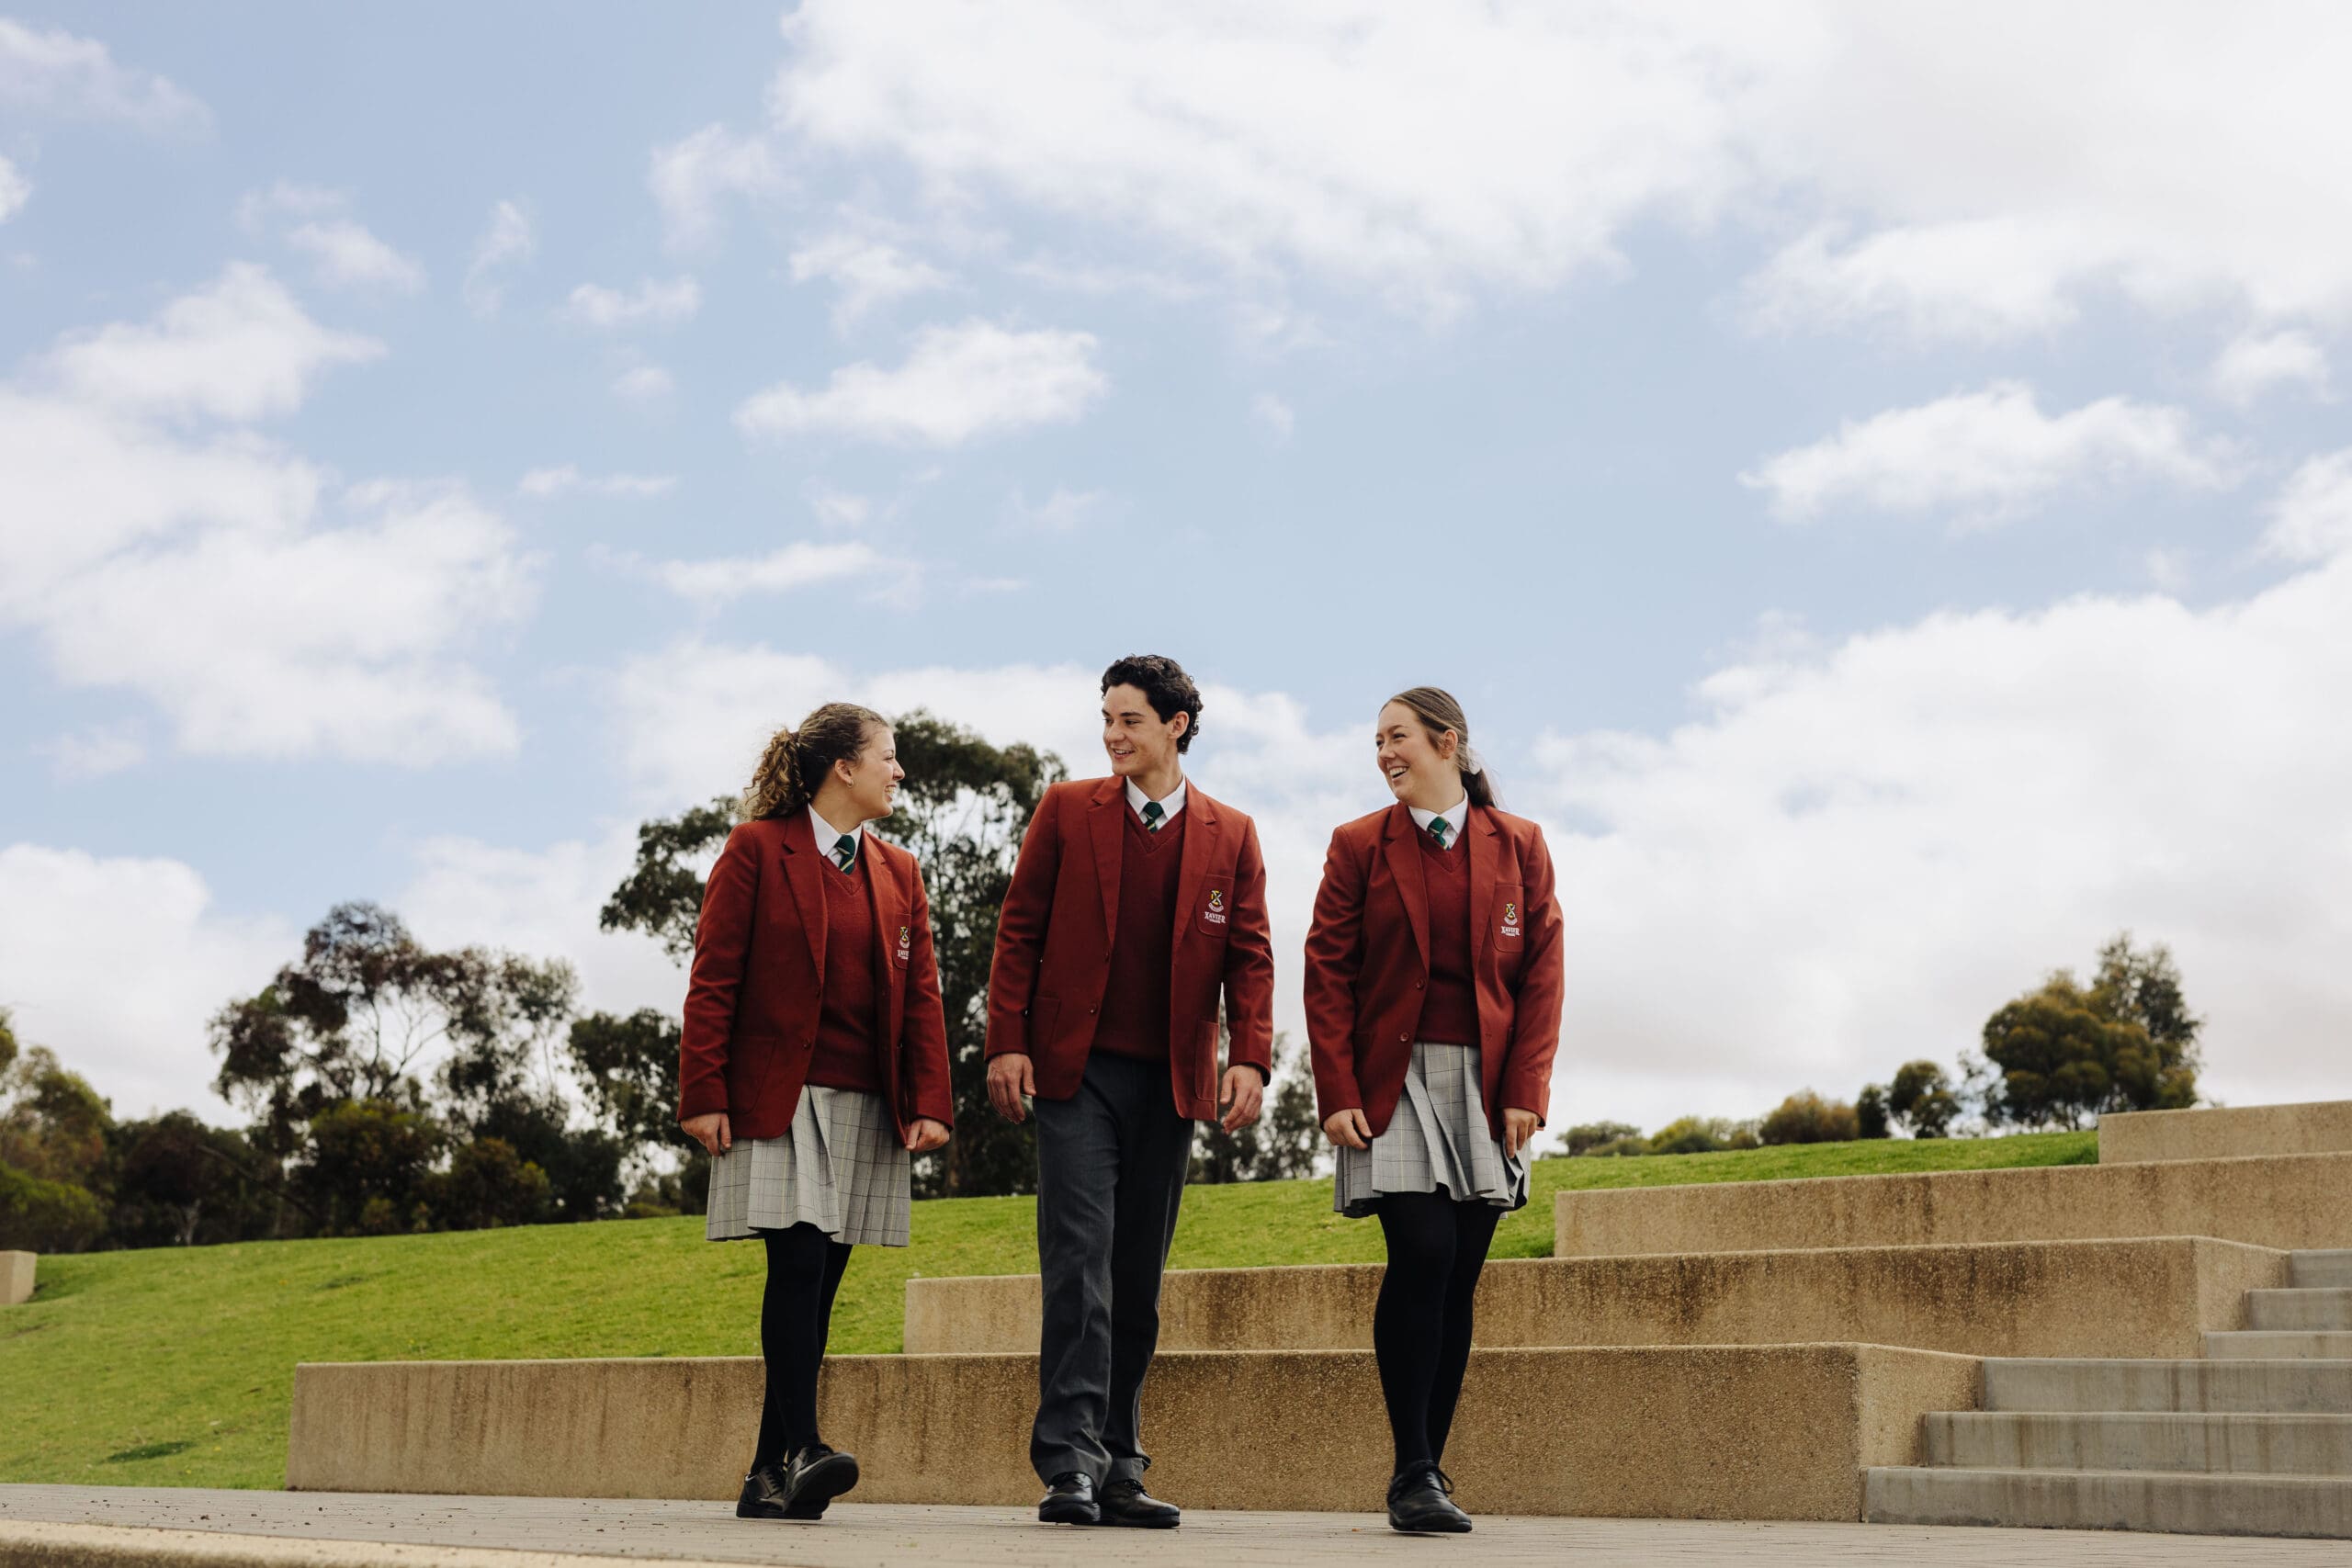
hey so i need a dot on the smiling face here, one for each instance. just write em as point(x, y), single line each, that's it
point(1419, 770)
point(1139, 743)
point(871, 781)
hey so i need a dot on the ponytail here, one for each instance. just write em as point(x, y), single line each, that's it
point(794, 765)
point(1439, 712)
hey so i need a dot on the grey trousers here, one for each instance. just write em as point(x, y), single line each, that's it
point(1110, 1167)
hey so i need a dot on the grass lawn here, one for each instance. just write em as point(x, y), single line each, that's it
point(174, 1367)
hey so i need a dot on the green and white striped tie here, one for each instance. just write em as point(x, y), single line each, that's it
point(1151, 815)
point(844, 852)
point(1439, 828)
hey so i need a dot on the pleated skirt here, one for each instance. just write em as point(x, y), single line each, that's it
point(1436, 1141)
point(841, 1167)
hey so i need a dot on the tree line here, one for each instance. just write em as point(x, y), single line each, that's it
point(390, 1086)
point(2061, 1056)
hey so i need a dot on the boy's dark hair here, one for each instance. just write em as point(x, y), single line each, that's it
point(1165, 686)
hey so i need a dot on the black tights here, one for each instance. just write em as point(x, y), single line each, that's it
point(1420, 1330)
point(804, 1271)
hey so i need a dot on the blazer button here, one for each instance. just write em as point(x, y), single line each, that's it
point(1418, 984)
point(1089, 1010)
point(1404, 1038)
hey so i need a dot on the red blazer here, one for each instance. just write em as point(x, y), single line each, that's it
point(1053, 942)
point(1368, 964)
point(754, 994)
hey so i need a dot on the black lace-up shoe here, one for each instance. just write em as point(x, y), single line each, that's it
point(814, 1477)
point(1126, 1503)
point(1421, 1501)
point(763, 1495)
point(1070, 1500)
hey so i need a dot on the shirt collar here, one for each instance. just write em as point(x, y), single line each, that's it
point(1169, 805)
point(1458, 817)
point(828, 835)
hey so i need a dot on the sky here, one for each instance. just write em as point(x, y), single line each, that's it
point(1877, 478)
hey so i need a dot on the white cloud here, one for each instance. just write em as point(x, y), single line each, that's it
point(1428, 151)
point(597, 306)
point(2259, 362)
point(348, 256)
point(690, 178)
point(55, 72)
point(66, 920)
point(540, 484)
point(241, 349)
point(958, 384)
point(1064, 511)
point(839, 509)
point(800, 564)
point(1876, 846)
point(196, 570)
point(1985, 456)
point(2312, 519)
point(15, 190)
point(505, 243)
point(867, 272)
point(1274, 414)
point(94, 752)
point(644, 384)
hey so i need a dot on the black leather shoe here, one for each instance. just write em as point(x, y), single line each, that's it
point(1070, 1500)
point(800, 1488)
point(765, 1497)
point(1126, 1503)
point(1421, 1501)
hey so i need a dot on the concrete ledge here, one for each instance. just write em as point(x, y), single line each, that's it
point(2147, 1297)
point(2133, 1137)
point(2283, 1388)
point(2310, 1506)
point(17, 1277)
point(26, 1543)
point(2287, 1201)
point(2170, 1440)
point(1781, 1432)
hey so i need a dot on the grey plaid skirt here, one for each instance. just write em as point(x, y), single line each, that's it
point(841, 1167)
point(1436, 1141)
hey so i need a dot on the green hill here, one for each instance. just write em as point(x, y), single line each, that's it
point(173, 1366)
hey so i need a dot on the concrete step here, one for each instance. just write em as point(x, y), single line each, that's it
point(2147, 1297)
point(2283, 1345)
point(2321, 1269)
point(1724, 1432)
point(2233, 1445)
point(2324, 1307)
point(2217, 1133)
point(2284, 1201)
point(2310, 1506)
point(2317, 1388)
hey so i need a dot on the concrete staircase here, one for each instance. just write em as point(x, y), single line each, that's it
point(2255, 1438)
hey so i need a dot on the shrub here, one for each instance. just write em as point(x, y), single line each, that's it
point(1589, 1136)
point(1806, 1118)
point(46, 1216)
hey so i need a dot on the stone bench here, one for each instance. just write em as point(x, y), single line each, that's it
point(2136, 1136)
point(1782, 1432)
point(17, 1277)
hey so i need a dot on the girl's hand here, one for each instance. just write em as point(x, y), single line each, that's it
point(1519, 1131)
point(923, 1135)
point(1348, 1129)
point(711, 1131)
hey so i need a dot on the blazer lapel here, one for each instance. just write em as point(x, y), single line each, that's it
point(1479, 840)
point(1200, 845)
point(1404, 865)
point(1104, 827)
point(803, 867)
point(889, 906)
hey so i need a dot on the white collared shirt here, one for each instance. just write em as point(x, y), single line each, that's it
point(1169, 806)
point(828, 835)
point(1458, 817)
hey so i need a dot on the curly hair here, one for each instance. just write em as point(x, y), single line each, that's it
point(1439, 712)
point(1165, 686)
point(795, 760)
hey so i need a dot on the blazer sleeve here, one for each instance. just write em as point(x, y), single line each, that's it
point(1249, 966)
point(722, 939)
point(1334, 953)
point(924, 1031)
point(1535, 1027)
point(1020, 930)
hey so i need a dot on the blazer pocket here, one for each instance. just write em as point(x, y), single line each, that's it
point(1215, 916)
point(1044, 1013)
point(1507, 918)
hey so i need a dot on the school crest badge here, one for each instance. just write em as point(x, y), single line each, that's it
point(906, 944)
point(1213, 912)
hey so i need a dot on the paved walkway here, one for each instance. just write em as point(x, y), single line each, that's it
point(51, 1527)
